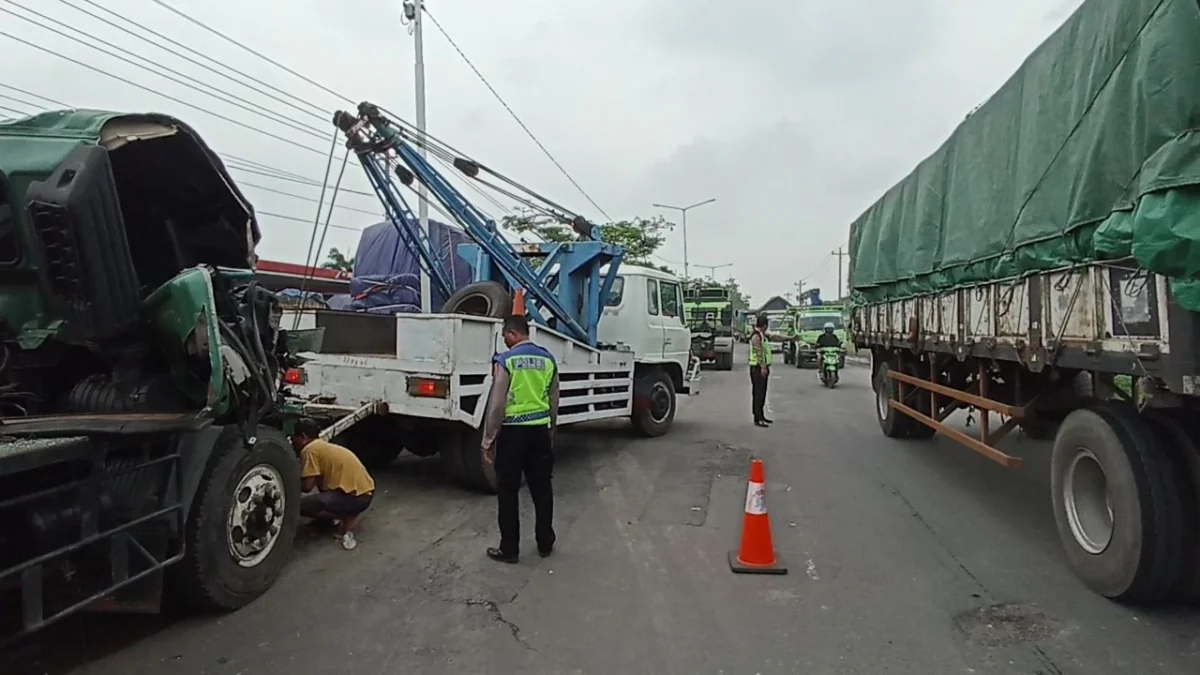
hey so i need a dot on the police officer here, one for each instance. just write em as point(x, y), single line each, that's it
point(518, 437)
point(760, 371)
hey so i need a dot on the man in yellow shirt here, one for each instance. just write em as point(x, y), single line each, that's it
point(344, 488)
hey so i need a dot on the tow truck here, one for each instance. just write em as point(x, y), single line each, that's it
point(419, 382)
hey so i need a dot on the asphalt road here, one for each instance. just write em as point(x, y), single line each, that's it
point(905, 557)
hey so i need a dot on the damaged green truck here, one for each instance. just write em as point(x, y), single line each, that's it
point(1043, 268)
point(141, 443)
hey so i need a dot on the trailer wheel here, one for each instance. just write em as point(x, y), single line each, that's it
point(1117, 511)
point(462, 456)
point(421, 441)
point(242, 523)
point(892, 422)
point(486, 298)
point(653, 403)
point(1178, 434)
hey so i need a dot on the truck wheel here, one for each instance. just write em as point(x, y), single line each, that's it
point(1178, 434)
point(486, 298)
point(1117, 511)
point(463, 459)
point(240, 530)
point(892, 422)
point(421, 441)
point(725, 361)
point(375, 441)
point(653, 403)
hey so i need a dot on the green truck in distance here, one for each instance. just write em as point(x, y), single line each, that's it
point(710, 316)
point(806, 324)
point(142, 444)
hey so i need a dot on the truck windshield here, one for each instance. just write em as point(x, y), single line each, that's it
point(818, 321)
point(616, 293)
point(774, 323)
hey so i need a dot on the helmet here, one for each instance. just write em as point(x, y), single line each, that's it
point(828, 326)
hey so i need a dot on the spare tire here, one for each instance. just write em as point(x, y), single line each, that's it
point(486, 298)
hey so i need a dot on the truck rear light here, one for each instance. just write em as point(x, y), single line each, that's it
point(428, 387)
point(294, 376)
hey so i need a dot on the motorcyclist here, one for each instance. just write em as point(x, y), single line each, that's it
point(827, 338)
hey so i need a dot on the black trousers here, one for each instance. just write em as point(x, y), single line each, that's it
point(524, 450)
point(758, 391)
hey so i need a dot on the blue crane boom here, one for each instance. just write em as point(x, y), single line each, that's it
point(566, 291)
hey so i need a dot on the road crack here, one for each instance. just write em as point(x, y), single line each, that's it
point(493, 609)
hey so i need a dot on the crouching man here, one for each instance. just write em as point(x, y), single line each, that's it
point(344, 488)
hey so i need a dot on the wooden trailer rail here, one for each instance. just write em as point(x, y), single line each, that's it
point(984, 445)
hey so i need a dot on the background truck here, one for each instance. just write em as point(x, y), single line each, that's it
point(1042, 266)
point(808, 323)
point(141, 447)
point(710, 316)
point(617, 332)
point(778, 329)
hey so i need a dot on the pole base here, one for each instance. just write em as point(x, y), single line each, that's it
point(780, 566)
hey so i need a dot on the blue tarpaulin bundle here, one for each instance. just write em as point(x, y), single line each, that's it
point(387, 276)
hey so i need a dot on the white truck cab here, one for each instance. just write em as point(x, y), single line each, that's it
point(644, 312)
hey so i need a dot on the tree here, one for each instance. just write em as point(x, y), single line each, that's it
point(338, 261)
point(640, 237)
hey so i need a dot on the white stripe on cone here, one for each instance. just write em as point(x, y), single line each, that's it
point(756, 499)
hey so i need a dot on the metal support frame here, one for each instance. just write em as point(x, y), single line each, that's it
point(122, 538)
point(566, 292)
point(984, 445)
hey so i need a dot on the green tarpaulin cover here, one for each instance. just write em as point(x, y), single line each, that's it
point(1090, 151)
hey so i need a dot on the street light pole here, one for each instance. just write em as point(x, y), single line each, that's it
point(683, 211)
point(423, 197)
point(712, 269)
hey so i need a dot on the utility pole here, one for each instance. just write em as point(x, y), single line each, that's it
point(683, 210)
point(414, 13)
point(840, 254)
point(799, 290)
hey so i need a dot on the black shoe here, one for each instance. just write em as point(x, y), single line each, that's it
point(500, 556)
point(545, 551)
point(761, 423)
point(768, 421)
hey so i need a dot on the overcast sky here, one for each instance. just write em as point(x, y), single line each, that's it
point(794, 115)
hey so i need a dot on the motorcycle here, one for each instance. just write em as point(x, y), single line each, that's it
point(830, 359)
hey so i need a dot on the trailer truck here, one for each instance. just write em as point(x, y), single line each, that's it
point(141, 410)
point(1041, 267)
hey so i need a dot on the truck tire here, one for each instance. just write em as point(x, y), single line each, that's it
point(1178, 435)
point(1117, 511)
point(421, 441)
point(486, 298)
point(243, 491)
point(463, 461)
point(653, 403)
point(725, 361)
point(376, 441)
point(893, 423)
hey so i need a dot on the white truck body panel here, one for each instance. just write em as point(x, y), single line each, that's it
point(1080, 306)
point(594, 384)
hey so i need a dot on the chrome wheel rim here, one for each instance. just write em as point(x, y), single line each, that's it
point(1088, 502)
point(256, 515)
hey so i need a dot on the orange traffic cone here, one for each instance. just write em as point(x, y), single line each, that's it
point(519, 302)
point(756, 555)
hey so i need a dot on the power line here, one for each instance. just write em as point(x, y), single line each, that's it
point(510, 112)
point(303, 198)
point(180, 101)
point(306, 221)
point(260, 55)
point(30, 93)
point(313, 109)
point(230, 99)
